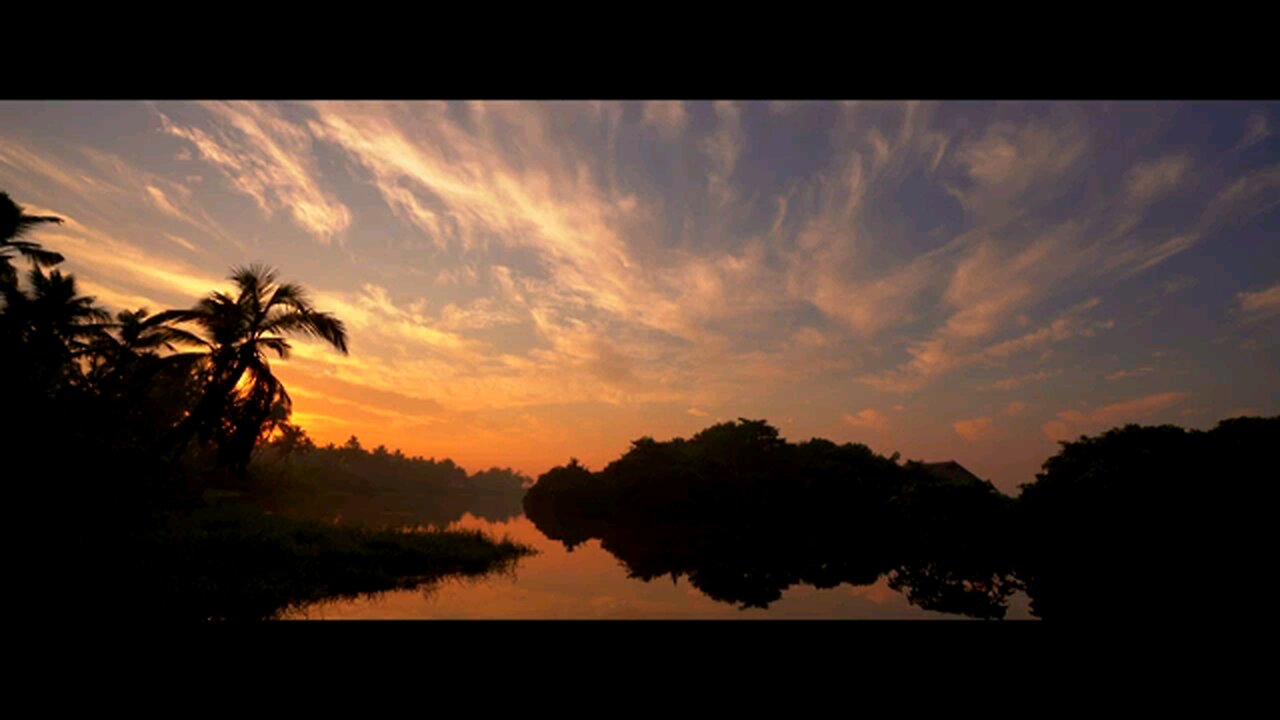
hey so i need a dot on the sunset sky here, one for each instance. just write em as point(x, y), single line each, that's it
point(525, 282)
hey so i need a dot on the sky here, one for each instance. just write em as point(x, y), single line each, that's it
point(528, 281)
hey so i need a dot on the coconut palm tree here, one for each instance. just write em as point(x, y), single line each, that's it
point(53, 312)
point(128, 360)
point(139, 334)
point(47, 333)
point(14, 223)
point(236, 333)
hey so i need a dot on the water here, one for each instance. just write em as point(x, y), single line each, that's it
point(590, 583)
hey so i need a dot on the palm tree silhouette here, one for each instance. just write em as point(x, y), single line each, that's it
point(14, 223)
point(49, 328)
point(54, 309)
point(236, 333)
point(132, 352)
point(138, 334)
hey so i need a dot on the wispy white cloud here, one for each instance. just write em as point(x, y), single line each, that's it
point(1072, 423)
point(23, 160)
point(99, 256)
point(1242, 200)
point(181, 242)
point(868, 419)
point(973, 429)
point(952, 348)
point(106, 185)
point(517, 262)
point(1012, 166)
point(270, 159)
point(1260, 302)
point(1132, 373)
point(1010, 383)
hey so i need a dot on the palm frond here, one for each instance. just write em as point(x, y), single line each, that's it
point(171, 335)
point(132, 316)
point(26, 222)
point(186, 358)
point(253, 282)
point(290, 295)
point(45, 258)
point(321, 325)
point(283, 321)
point(15, 222)
point(279, 345)
point(22, 245)
point(171, 316)
point(101, 318)
point(253, 275)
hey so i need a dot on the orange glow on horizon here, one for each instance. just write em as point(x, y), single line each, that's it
point(525, 282)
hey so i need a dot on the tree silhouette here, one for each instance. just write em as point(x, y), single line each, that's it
point(139, 334)
point(48, 329)
point(131, 356)
point(14, 223)
point(291, 440)
point(236, 334)
point(744, 515)
point(1136, 514)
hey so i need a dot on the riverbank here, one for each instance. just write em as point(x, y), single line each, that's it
point(241, 563)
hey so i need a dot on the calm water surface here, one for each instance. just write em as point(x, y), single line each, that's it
point(589, 583)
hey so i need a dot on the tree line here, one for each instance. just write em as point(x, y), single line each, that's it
point(147, 409)
point(1123, 524)
point(290, 474)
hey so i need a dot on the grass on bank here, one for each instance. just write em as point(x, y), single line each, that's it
point(240, 563)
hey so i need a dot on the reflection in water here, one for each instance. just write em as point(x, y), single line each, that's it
point(744, 515)
point(752, 567)
point(437, 508)
point(231, 563)
point(745, 524)
point(589, 582)
point(746, 520)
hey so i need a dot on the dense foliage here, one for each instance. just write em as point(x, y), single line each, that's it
point(744, 514)
point(1124, 517)
point(348, 483)
point(1132, 520)
point(126, 428)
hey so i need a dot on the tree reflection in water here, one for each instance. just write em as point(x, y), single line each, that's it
point(744, 515)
